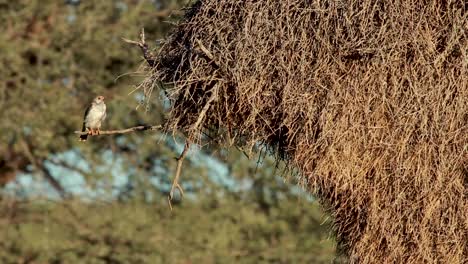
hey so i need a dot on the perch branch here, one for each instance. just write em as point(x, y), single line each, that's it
point(143, 46)
point(124, 131)
point(175, 182)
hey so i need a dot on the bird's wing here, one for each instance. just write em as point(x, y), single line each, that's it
point(86, 116)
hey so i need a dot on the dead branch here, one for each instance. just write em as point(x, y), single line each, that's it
point(213, 96)
point(124, 131)
point(175, 182)
point(144, 48)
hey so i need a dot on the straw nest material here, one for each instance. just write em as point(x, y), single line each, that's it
point(367, 99)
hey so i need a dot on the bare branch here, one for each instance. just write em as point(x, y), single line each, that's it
point(124, 131)
point(213, 96)
point(144, 47)
point(175, 182)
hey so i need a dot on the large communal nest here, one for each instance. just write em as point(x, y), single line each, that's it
point(368, 99)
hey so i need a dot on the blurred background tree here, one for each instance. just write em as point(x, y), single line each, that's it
point(105, 201)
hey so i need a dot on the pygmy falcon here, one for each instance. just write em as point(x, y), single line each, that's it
point(93, 117)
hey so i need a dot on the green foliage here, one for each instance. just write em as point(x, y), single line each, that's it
point(55, 58)
point(201, 232)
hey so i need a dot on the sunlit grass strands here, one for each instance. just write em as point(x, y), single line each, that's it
point(368, 99)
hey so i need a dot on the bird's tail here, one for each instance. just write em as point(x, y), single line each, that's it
point(83, 137)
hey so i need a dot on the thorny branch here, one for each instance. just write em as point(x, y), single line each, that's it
point(123, 131)
point(144, 48)
point(175, 182)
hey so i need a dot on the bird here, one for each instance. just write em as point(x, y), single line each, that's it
point(93, 117)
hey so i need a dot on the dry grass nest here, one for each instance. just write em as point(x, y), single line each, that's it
point(367, 99)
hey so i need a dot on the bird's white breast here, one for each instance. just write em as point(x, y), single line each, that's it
point(96, 115)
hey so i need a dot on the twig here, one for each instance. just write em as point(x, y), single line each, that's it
point(143, 46)
point(123, 131)
point(175, 182)
point(180, 159)
point(205, 108)
point(205, 50)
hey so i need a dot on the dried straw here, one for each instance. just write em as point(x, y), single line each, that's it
point(368, 99)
